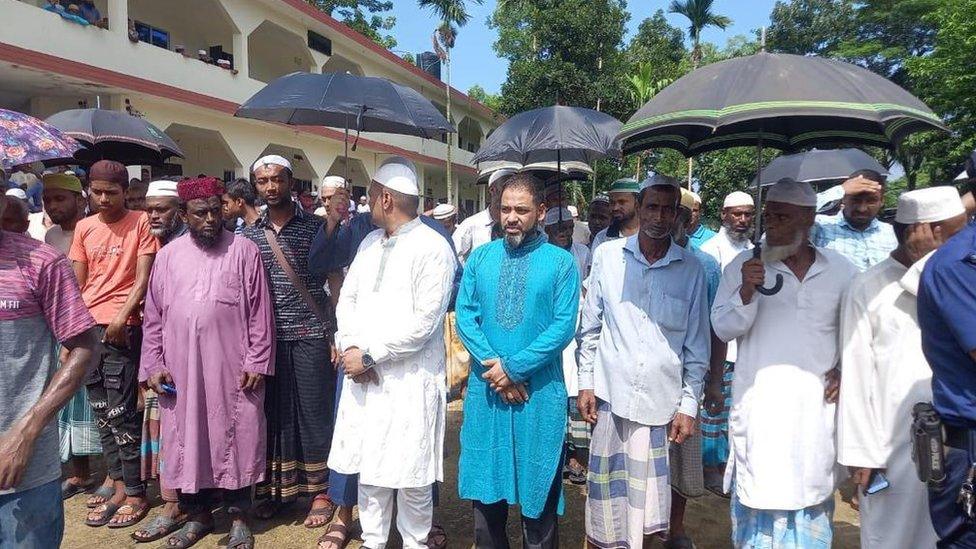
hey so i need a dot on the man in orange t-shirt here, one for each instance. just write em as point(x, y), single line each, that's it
point(112, 254)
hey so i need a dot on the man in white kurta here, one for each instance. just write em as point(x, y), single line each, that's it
point(390, 422)
point(886, 374)
point(781, 425)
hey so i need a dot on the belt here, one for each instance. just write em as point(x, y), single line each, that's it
point(958, 437)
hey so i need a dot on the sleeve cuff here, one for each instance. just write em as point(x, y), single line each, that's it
point(585, 381)
point(688, 406)
point(379, 352)
point(508, 371)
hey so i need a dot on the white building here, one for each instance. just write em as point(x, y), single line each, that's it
point(49, 63)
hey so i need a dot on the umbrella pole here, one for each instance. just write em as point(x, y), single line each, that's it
point(778, 283)
point(345, 163)
point(559, 174)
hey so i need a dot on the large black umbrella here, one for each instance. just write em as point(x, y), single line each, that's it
point(792, 101)
point(816, 166)
point(346, 101)
point(114, 135)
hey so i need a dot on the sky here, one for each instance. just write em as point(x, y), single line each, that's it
point(474, 61)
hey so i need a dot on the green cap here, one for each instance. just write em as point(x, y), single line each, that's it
point(625, 185)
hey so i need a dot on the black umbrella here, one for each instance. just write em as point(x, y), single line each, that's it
point(114, 135)
point(817, 166)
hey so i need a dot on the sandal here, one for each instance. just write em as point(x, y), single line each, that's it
point(240, 537)
point(158, 528)
point(187, 536)
point(134, 515)
point(105, 513)
point(104, 492)
point(70, 489)
point(437, 538)
point(328, 512)
point(336, 534)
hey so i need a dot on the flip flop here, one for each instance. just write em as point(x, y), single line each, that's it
point(437, 538)
point(134, 514)
point(104, 492)
point(336, 534)
point(193, 528)
point(106, 512)
point(240, 537)
point(328, 512)
point(158, 528)
point(70, 489)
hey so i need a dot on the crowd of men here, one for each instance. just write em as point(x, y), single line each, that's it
point(245, 353)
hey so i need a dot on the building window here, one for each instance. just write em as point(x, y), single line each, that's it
point(152, 35)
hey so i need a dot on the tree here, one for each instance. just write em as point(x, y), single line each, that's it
point(700, 16)
point(660, 46)
point(353, 14)
point(490, 100)
point(811, 26)
point(452, 14)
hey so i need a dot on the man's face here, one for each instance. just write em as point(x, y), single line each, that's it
point(599, 217)
point(162, 212)
point(657, 212)
point(14, 217)
point(861, 209)
point(623, 207)
point(325, 193)
point(273, 185)
point(203, 219)
point(62, 206)
point(135, 197)
point(231, 208)
point(787, 223)
point(561, 234)
point(682, 224)
point(520, 215)
point(108, 197)
point(338, 202)
point(738, 221)
point(695, 217)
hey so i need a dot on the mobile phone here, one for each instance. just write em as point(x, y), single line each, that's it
point(876, 483)
point(168, 388)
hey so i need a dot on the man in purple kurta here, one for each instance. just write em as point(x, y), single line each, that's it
point(208, 342)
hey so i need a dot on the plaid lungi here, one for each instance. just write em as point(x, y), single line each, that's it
point(808, 528)
point(686, 467)
point(77, 431)
point(715, 429)
point(149, 451)
point(577, 430)
point(629, 494)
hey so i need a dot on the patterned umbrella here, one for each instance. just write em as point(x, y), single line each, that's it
point(25, 139)
point(115, 135)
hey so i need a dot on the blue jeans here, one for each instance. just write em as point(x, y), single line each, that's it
point(32, 519)
point(953, 528)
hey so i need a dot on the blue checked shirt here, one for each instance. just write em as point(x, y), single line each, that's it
point(863, 248)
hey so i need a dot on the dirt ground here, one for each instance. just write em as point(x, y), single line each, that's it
point(707, 520)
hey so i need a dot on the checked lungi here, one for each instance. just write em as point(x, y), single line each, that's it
point(715, 428)
point(577, 429)
point(629, 491)
point(808, 528)
point(76, 428)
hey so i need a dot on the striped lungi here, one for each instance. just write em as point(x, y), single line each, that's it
point(577, 430)
point(629, 493)
point(715, 428)
point(76, 428)
point(149, 451)
point(808, 528)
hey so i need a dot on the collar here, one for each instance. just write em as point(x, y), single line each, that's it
point(674, 253)
point(910, 280)
point(530, 243)
point(873, 227)
point(821, 262)
point(263, 221)
point(404, 229)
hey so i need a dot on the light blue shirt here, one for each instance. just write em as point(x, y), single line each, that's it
point(864, 249)
point(645, 332)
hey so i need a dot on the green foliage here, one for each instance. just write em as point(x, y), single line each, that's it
point(700, 16)
point(811, 26)
point(490, 100)
point(366, 17)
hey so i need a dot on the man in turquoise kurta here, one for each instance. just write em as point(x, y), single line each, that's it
point(516, 311)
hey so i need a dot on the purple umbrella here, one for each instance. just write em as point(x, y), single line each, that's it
point(25, 139)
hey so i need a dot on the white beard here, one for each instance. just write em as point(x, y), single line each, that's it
point(514, 241)
point(780, 253)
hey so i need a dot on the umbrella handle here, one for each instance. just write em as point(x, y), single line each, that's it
point(777, 286)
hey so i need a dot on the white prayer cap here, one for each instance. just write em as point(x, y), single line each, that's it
point(790, 191)
point(500, 176)
point(333, 182)
point(320, 211)
point(573, 211)
point(443, 211)
point(398, 174)
point(271, 160)
point(929, 205)
point(659, 180)
point(553, 215)
point(17, 193)
point(695, 196)
point(737, 199)
point(162, 188)
point(23, 178)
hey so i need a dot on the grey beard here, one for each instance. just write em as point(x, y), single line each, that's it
point(737, 236)
point(780, 253)
point(166, 233)
point(514, 241)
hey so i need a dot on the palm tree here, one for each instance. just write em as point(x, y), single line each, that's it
point(642, 89)
point(700, 16)
point(452, 14)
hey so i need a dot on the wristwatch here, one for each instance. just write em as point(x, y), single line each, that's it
point(368, 361)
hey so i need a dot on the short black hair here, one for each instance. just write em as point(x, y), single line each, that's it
point(871, 175)
point(242, 189)
point(526, 182)
point(646, 190)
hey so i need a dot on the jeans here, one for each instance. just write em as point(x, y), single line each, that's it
point(113, 390)
point(955, 531)
point(32, 519)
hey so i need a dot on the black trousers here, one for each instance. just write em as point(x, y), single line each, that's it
point(490, 520)
point(952, 526)
point(113, 390)
point(236, 501)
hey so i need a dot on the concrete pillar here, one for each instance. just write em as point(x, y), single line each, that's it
point(118, 18)
point(240, 54)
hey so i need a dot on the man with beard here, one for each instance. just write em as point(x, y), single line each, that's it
point(299, 398)
point(65, 204)
point(479, 228)
point(738, 213)
point(598, 218)
point(623, 208)
point(699, 234)
point(207, 345)
point(857, 233)
point(516, 311)
point(163, 209)
point(643, 358)
point(784, 389)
